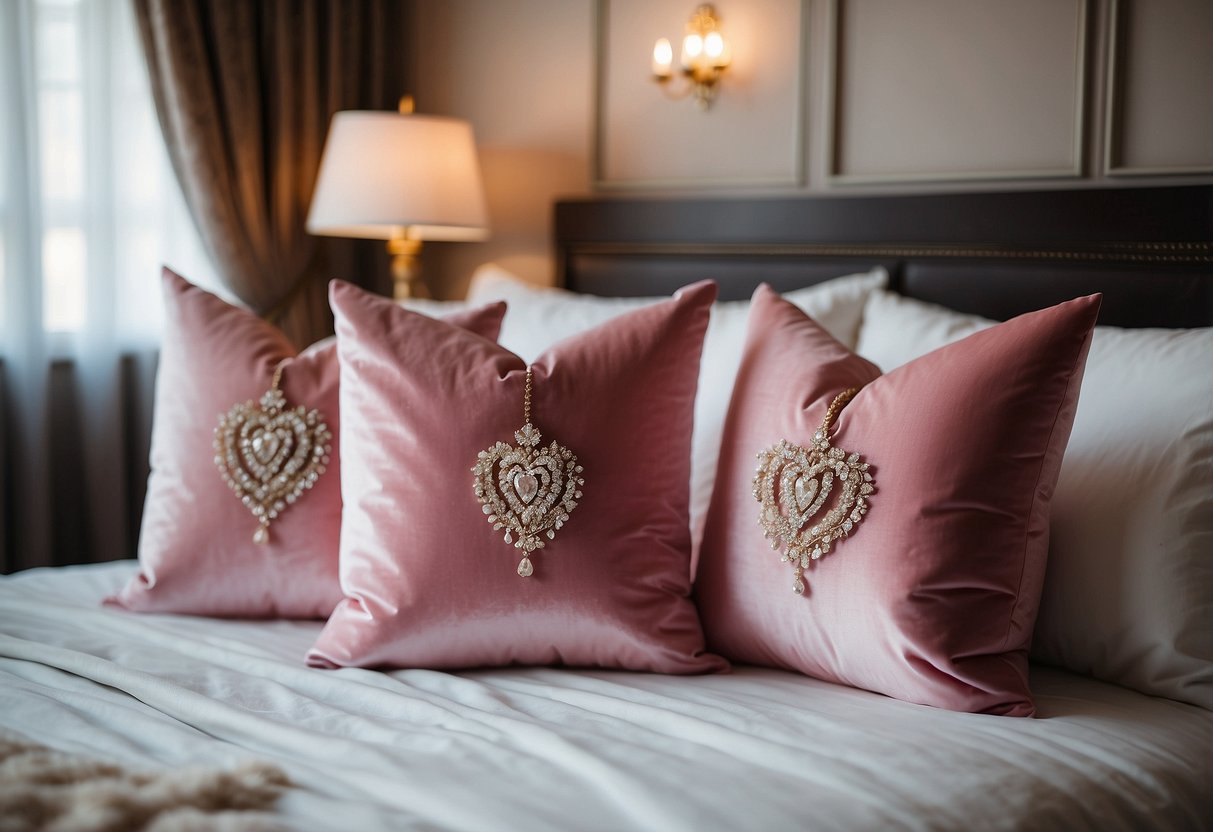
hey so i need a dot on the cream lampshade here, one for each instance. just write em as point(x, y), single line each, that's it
point(399, 177)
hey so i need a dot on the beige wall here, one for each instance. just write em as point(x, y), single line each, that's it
point(825, 96)
point(521, 72)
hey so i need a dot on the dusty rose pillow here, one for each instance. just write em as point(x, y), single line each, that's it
point(428, 582)
point(931, 595)
point(196, 549)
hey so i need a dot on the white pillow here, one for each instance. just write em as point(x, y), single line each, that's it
point(538, 317)
point(1128, 595)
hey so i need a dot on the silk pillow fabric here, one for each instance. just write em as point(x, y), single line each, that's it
point(932, 597)
point(428, 582)
point(1128, 595)
point(196, 549)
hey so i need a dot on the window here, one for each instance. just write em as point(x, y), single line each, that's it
point(102, 208)
point(89, 209)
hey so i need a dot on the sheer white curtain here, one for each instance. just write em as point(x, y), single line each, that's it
point(89, 209)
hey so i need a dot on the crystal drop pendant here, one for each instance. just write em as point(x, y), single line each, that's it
point(811, 497)
point(528, 489)
point(269, 454)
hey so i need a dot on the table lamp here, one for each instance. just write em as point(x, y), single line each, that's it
point(399, 177)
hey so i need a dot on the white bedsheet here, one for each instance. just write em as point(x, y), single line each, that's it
point(551, 749)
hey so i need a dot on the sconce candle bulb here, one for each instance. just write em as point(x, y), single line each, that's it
point(692, 48)
point(703, 58)
point(663, 58)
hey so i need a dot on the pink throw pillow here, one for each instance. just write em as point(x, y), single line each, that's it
point(428, 582)
point(196, 549)
point(931, 595)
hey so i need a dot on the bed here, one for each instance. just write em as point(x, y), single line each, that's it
point(555, 748)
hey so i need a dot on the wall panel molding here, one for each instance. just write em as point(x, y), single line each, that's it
point(902, 166)
point(1199, 92)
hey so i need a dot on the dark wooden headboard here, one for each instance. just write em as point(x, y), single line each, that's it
point(1149, 250)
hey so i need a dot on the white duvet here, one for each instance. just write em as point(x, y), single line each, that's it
point(543, 749)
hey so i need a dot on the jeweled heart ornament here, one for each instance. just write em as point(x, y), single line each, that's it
point(793, 484)
point(527, 489)
point(269, 453)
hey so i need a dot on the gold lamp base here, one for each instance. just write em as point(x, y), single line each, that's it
point(406, 268)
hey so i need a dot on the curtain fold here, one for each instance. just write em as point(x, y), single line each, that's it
point(244, 93)
point(25, 531)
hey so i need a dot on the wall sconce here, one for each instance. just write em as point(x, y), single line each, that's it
point(704, 57)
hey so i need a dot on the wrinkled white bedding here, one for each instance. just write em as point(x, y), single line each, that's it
point(553, 749)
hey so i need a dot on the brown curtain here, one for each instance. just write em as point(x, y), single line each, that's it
point(244, 92)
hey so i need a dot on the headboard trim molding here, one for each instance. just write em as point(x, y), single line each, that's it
point(1129, 252)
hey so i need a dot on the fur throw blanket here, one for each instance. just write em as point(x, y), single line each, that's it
point(43, 789)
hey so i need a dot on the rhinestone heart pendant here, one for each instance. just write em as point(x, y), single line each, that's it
point(527, 489)
point(269, 454)
point(794, 484)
